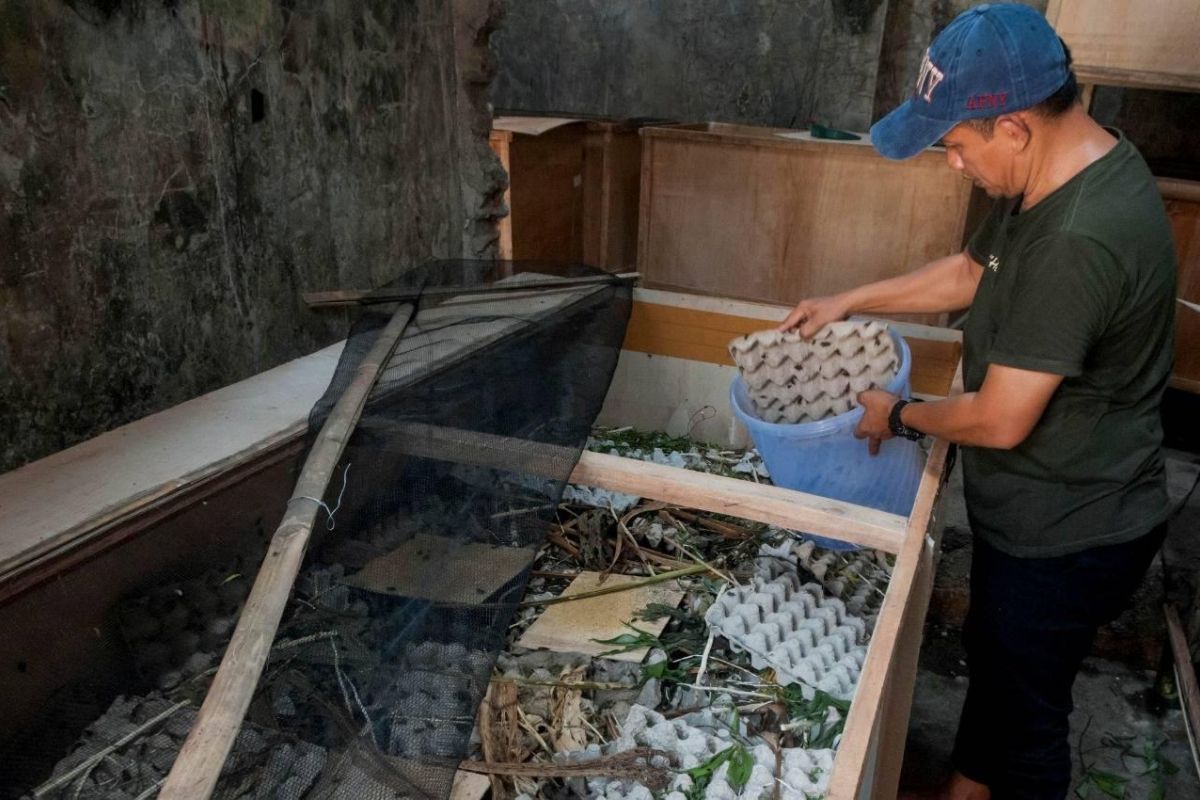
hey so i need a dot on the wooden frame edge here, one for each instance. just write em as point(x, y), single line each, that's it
point(876, 681)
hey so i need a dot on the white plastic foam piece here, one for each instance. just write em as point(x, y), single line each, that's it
point(806, 637)
point(857, 578)
point(693, 740)
point(792, 379)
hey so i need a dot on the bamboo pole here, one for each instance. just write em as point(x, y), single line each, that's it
point(196, 769)
point(353, 297)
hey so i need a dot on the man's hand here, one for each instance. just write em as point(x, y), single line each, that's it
point(810, 315)
point(877, 406)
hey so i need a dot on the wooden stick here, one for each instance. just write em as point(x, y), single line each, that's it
point(361, 297)
point(1185, 679)
point(196, 769)
point(629, 764)
point(97, 757)
point(624, 587)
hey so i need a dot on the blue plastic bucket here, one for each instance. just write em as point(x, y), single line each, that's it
point(824, 458)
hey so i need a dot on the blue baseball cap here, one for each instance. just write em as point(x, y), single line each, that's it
point(992, 59)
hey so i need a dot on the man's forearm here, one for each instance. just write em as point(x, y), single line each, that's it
point(966, 419)
point(947, 284)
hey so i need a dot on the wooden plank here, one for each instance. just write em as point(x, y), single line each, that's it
point(1178, 189)
point(500, 141)
point(1184, 216)
point(1185, 678)
point(88, 490)
point(889, 670)
point(715, 493)
point(546, 179)
point(41, 565)
point(196, 769)
point(746, 214)
point(703, 336)
point(737, 498)
point(612, 162)
point(1130, 42)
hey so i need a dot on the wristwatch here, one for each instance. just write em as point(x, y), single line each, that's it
point(897, 427)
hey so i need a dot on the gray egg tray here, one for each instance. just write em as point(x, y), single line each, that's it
point(792, 379)
point(795, 629)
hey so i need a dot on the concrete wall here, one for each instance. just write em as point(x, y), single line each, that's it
point(762, 62)
point(173, 175)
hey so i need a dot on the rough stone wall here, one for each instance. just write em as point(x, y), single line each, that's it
point(760, 62)
point(174, 174)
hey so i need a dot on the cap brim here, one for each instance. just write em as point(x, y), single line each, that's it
point(904, 133)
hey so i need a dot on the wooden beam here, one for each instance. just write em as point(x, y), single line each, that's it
point(196, 769)
point(717, 494)
point(1178, 189)
point(1185, 679)
point(883, 699)
point(692, 489)
point(338, 298)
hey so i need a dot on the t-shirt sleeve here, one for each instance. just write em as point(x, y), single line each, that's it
point(1066, 293)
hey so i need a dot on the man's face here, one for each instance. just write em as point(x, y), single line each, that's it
point(987, 161)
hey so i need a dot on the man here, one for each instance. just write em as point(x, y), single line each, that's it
point(1067, 347)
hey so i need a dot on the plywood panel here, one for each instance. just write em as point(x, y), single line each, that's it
point(545, 182)
point(756, 214)
point(1185, 225)
point(1131, 42)
point(612, 163)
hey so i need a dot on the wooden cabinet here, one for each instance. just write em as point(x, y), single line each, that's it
point(1182, 199)
point(1131, 42)
point(573, 190)
point(774, 216)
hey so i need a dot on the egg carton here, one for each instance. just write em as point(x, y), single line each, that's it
point(793, 628)
point(793, 379)
point(429, 706)
point(858, 578)
point(691, 741)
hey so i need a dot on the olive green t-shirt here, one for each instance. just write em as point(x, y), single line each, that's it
point(1081, 285)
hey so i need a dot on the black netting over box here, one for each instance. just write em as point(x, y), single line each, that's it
point(418, 560)
point(440, 502)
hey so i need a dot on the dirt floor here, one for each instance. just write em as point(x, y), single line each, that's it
point(1127, 740)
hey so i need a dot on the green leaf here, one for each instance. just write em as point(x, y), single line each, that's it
point(741, 764)
point(1109, 783)
point(630, 641)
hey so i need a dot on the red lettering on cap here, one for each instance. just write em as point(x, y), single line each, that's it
point(994, 100)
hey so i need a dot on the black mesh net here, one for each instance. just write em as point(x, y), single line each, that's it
point(418, 560)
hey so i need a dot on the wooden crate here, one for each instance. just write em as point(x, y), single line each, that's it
point(573, 190)
point(746, 213)
point(1182, 199)
point(1131, 43)
point(115, 494)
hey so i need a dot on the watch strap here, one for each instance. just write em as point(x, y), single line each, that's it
point(897, 427)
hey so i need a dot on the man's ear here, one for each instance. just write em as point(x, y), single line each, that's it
point(1014, 129)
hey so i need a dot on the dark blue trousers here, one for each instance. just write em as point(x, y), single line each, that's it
point(1030, 624)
